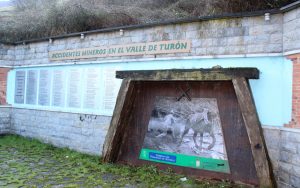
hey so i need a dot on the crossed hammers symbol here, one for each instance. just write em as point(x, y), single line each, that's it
point(184, 94)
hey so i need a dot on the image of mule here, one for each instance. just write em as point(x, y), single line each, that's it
point(186, 127)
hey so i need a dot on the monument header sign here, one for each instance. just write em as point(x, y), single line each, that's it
point(151, 48)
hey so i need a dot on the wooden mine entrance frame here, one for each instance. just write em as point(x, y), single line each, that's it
point(239, 78)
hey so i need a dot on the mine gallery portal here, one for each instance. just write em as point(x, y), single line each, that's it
point(191, 121)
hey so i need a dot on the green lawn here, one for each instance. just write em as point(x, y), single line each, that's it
point(30, 163)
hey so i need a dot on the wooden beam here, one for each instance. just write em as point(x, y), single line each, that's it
point(115, 132)
point(255, 134)
point(214, 74)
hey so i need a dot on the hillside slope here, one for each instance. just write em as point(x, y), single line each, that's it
point(40, 18)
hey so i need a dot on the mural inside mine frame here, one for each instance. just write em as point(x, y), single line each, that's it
point(186, 133)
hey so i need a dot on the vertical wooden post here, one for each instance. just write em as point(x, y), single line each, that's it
point(255, 134)
point(115, 132)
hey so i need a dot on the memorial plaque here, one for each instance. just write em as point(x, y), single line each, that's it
point(92, 90)
point(58, 88)
point(44, 87)
point(74, 89)
point(111, 88)
point(196, 138)
point(20, 87)
point(31, 87)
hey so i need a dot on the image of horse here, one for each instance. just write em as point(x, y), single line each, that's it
point(200, 123)
point(167, 126)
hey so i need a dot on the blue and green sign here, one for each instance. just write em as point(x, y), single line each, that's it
point(203, 163)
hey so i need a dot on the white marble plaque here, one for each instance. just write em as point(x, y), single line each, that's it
point(44, 87)
point(92, 90)
point(31, 87)
point(58, 88)
point(111, 88)
point(74, 88)
point(20, 87)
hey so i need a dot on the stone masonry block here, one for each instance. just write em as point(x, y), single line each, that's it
point(285, 166)
point(289, 16)
point(276, 19)
point(5, 120)
point(295, 181)
point(196, 43)
point(295, 170)
point(284, 172)
point(288, 46)
point(256, 30)
point(192, 34)
point(292, 137)
point(178, 35)
point(212, 33)
point(273, 28)
point(259, 39)
point(298, 13)
point(255, 49)
point(272, 138)
point(274, 156)
point(285, 156)
point(295, 159)
point(283, 176)
point(4, 114)
point(292, 25)
point(207, 42)
point(212, 51)
point(259, 20)
point(283, 185)
point(236, 31)
point(87, 132)
point(273, 48)
point(219, 42)
point(289, 147)
point(126, 40)
point(290, 36)
point(236, 41)
point(236, 50)
point(276, 38)
point(193, 26)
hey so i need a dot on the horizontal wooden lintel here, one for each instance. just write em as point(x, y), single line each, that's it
point(190, 74)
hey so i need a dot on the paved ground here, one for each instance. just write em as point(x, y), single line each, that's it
point(29, 163)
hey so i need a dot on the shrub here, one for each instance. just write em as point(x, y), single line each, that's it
point(41, 18)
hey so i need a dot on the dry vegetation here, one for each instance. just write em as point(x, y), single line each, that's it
point(40, 18)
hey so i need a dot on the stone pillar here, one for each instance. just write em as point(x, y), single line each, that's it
point(295, 123)
point(3, 84)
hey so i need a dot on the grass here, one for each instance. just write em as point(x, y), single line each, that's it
point(30, 163)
